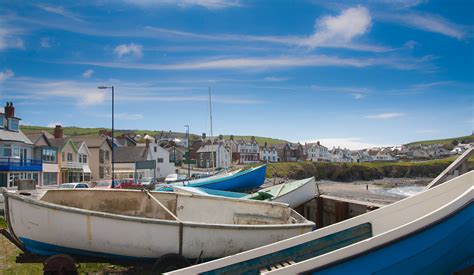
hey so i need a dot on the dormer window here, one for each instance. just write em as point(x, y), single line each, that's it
point(2, 121)
point(13, 124)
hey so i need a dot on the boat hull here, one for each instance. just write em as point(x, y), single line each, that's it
point(241, 181)
point(443, 248)
point(46, 229)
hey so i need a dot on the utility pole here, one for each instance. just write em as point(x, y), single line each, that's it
point(188, 156)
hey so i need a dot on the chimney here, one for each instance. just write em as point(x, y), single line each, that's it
point(318, 143)
point(58, 131)
point(9, 110)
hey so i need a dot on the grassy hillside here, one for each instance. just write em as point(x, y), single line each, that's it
point(78, 131)
point(448, 141)
point(359, 171)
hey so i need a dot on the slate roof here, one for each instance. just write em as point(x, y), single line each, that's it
point(34, 137)
point(130, 154)
point(58, 142)
point(14, 136)
point(92, 142)
point(208, 148)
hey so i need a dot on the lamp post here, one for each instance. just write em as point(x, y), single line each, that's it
point(113, 159)
point(188, 158)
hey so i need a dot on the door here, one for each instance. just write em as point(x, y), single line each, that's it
point(23, 155)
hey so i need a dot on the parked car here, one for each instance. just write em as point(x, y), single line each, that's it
point(175, 177)
point(106, 184)
point(147, 181)
point(129, 183)
point(73, 185)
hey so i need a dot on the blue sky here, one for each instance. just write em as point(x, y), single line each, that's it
point(350, 73)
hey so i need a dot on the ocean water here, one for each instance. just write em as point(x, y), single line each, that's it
point(403, 191)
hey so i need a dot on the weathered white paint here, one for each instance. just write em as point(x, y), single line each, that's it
point(98, 220)
point(388, 224)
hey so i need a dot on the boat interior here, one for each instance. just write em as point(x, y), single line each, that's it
point(212, 210)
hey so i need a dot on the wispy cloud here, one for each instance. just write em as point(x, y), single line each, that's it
point(85, 94)
point(275, 79)
point(427, 22)
point(59, 11)
point(268, 63)
point(45, 42)
point(355, 92)
point(10, 37)
point(426, 131)
point(6, 74)
point(88, 73)
point(208, 4)
point(53, 124)
point(123, 116)
point(385, 116)
point(130, 49)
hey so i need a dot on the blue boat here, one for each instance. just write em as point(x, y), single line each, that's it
point(429, 233)
point(241, 181)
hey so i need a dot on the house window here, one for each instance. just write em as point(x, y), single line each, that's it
point(6, 151)
point(16, 151)
point(83, 158)
point(159, 160)
point(155, 149)
point(49, 155)
point(2, 121)
point(13, 123)
point(50, 178)
point(101, 156)
point(69, 156)
point(101, 172)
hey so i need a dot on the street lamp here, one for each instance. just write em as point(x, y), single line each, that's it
point(113, 168)
point(188, 158)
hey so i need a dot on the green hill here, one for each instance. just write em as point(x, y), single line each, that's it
point(447, 141)
point(78, 131)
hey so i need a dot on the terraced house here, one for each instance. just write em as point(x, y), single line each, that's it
point(17, 160)
point(100, 156)
point(49, 155)
point(73, 157)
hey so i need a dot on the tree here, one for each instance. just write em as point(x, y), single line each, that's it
point(455, 142)
point(221, 137)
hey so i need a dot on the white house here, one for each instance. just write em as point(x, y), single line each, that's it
point(268, 153)
point(316, 152)
point(221, 157)
point(163, 165)
point(248, 151)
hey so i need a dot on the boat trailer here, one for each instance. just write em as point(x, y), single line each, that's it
point(67, 264)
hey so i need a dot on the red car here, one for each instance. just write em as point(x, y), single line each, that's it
point(129, 183)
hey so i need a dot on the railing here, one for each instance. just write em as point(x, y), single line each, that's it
point(72, 165)
point(17, 164)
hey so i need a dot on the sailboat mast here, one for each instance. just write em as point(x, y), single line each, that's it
point(210, 117)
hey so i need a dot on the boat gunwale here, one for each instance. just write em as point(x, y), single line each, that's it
point(281, 195)
point(38, 202)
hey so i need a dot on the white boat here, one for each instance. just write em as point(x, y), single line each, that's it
point(428, 233)
point(140, 226)
point(293, 193)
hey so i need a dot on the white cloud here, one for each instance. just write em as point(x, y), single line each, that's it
point(428, 22)
point(59, 11)
point(341, 29)
point(275, 79)
point(268, 63)
point(6, 74)
point(9, 37)
point(53, 124)
point(385, 116)
point(209, 4)
point(356, 92)
point(88, 73)
point(130, 49)
point(45, 43)
point(349, 143)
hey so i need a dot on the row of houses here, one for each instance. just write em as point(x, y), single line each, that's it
point(51, 159)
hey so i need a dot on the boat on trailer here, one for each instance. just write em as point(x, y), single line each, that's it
point(294, 193)
point(429, 233)
point(249, 179)
point(142, 226)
